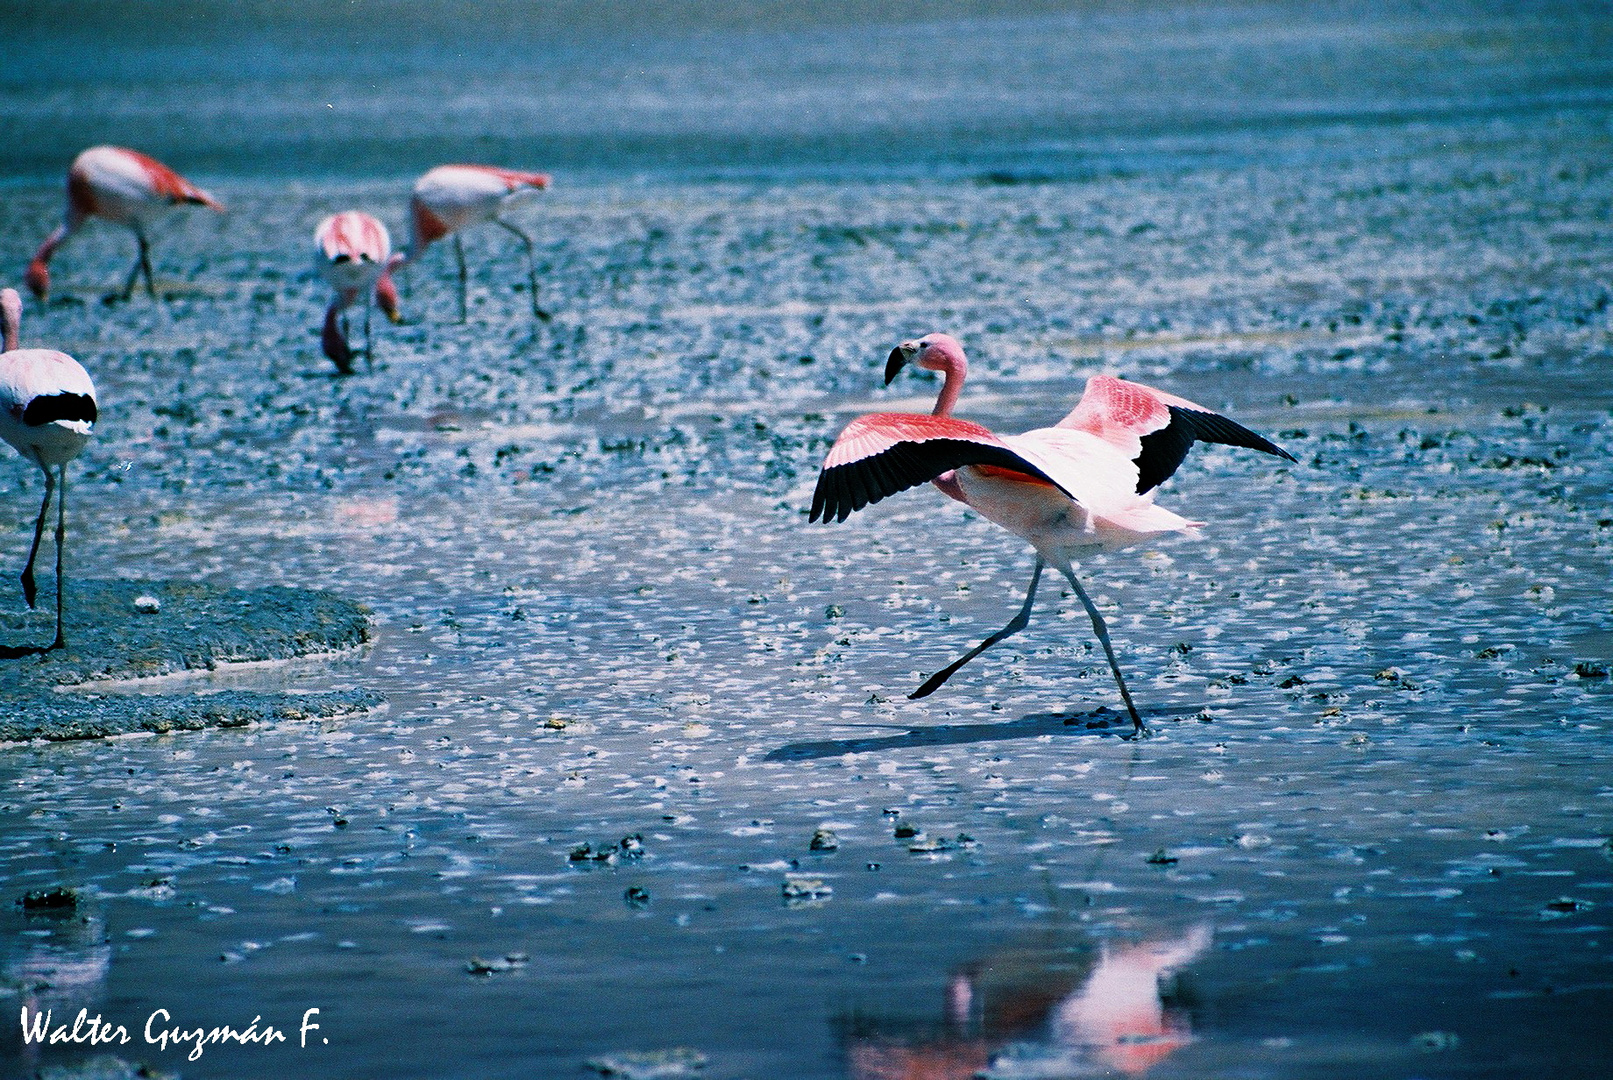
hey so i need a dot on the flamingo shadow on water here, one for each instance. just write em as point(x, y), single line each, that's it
point(1085, 486)
point(1100, 722)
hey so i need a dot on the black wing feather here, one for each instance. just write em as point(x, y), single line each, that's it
point(1164, 450)
point(856, 484)
point(47, 408)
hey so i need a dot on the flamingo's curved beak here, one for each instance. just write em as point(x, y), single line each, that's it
point(900, 357)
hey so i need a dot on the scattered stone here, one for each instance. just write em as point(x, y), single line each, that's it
point(929, 846)
point(59, 898)
point(1591, 669)
point(636, 897)
point(1567, 905)
point(1434, 1041)
point(679, 1061)
point(628, 847)
point(799, 889)
point(146, 604)
point(1393, 676)
point(905, 831)
point(824, 839)
point(508, 962)
point(1162, 858)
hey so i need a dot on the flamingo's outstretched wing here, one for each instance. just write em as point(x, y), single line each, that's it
point(883, 453)
point(1154, 428)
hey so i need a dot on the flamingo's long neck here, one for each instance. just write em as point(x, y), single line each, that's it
point(11, 308)
point(334, 341)
point(39, 266)
point(951, 385)
point(953, 368)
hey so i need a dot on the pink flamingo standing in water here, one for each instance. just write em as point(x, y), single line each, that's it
point(355, 257)
point(451, 198)
point(1082, 487)
point(126, 188)
point(47, 410)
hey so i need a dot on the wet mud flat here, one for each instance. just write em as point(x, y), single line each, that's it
point(648, 783)
point(133, 635)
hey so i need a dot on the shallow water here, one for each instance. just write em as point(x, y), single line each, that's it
point(1370, 836)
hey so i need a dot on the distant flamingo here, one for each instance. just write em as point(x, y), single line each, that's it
point(450, 198)
point(1083, 487)
point(125, 188)
point(47, 410)
point(355, 256)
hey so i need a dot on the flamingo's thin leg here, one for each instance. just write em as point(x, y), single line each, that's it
point(61, 560)
point(531, 268)
point(464, 278)
point(29, 589)
point(1102, 630)
point(1015, 625)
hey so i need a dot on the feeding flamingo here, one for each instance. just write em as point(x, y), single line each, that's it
point(450, 198)
point(126, 188)
point(47, 411)
point(355, 256)
point(1082, 487)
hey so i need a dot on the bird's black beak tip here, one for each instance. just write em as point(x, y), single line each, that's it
point(894, 364)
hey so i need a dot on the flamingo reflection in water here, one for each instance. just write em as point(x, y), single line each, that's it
point(1042, 1012)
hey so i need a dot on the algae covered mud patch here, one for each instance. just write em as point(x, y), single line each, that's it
point(144, 630)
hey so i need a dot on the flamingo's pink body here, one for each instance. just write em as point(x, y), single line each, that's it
point(47, 412)
point(1083, 486)
point(450, 198)
point(354, 254)
point(121, 186)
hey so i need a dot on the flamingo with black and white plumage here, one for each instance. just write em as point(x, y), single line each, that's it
point(124, 187)
point(47, 412)
point(354, 254)
point(451, 198)
point(1079, 488)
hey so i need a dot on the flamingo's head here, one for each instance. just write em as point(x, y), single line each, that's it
point(386, 291)
point(39, 278)
point(933, 352)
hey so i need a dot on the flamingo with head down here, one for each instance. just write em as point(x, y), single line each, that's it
point(124, 187)
point(354, 254)
point(47, 411)
point(1082, 487)
point(451, 198)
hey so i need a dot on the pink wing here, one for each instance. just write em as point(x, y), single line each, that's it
point(881, 454)
point(514, 178)
point(167, 184)
point(1155, 429)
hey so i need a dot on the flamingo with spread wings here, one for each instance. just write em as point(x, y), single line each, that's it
point(1082, 487)
point(124, 187)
